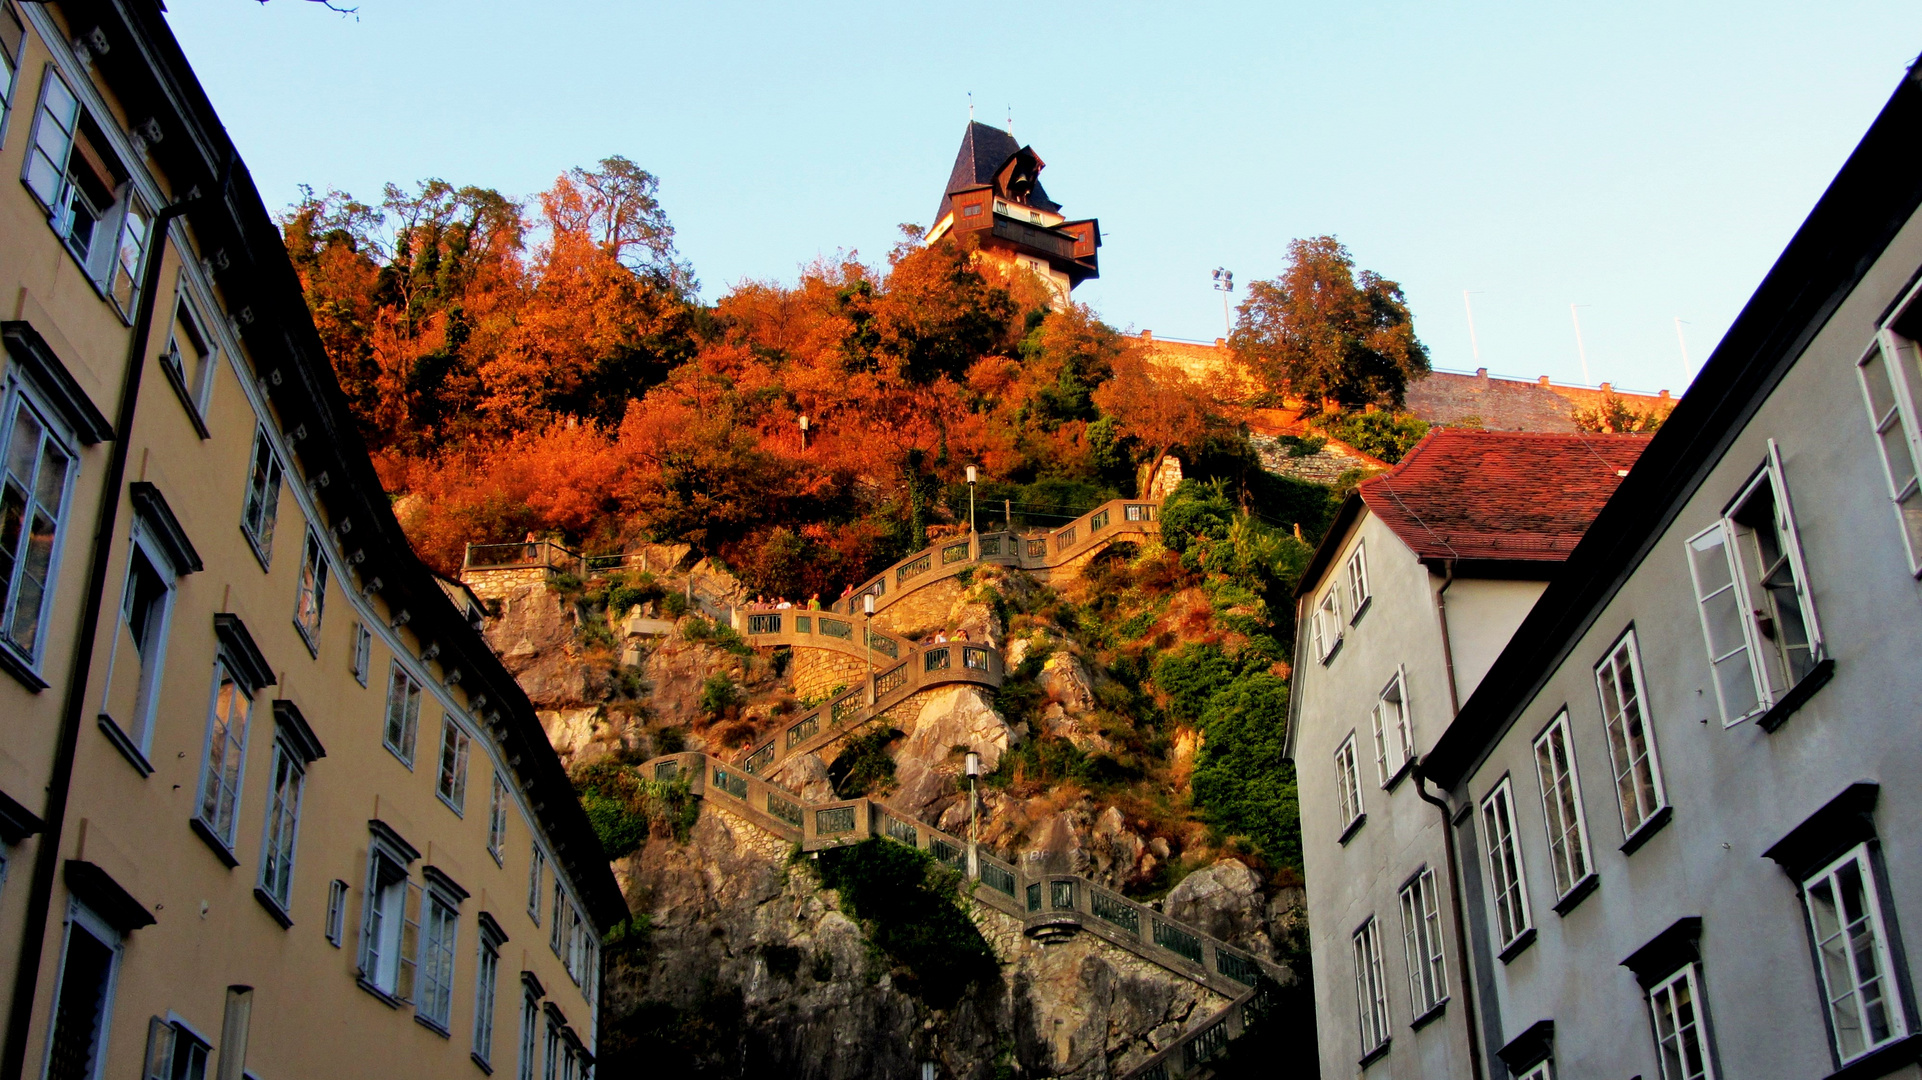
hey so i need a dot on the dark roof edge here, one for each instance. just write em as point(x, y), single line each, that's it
point(261, 287)
point(1874, 194)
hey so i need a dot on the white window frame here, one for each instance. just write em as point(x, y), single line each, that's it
point(1570, 859)
point(1356, 580)
point(118, 233)
point(1893, 1000)
point(260, 509)
point(20, 398)
point(456, 746)
point(530, 1033)
point(1663, 1001)
point(1624, 721)
point(167, 1037)
point(151, 655)
point(1327, 623)
point(487, 964)
point(1394, 729)
point(232, 767)
point(497, 820)
point(335, 929)
point(363, 651)
point(557, 931)
point(439, 938)
point(400, 728)
point(10, 64)
point(1541, 1070)
point(389, 924)
point(310, 592)
point(1348, 785)
point(1507, 878)
point(196, 383)
point(1371, 988)
point(94, 926)
point(280, 831)
point(1769, 684)
point(536, 870)
point(1422, 943)
point(1896, 427)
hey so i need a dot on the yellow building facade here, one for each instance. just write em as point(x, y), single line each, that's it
point(269, 807)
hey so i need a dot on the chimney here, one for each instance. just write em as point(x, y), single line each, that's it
point(1147, 335)
point(1605, 389)
point(1663, 395)
point(1481, 376)
point(1221, 342)
point(1543, 380)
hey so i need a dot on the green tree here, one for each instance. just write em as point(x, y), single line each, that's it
point(1326, 333)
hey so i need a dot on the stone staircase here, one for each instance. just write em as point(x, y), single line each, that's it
point(899, 668)
point(1051, 907)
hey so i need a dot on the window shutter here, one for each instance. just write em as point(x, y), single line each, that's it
point(160, 1050)
point(1725, 622)
point(1785, 522)
point(410, 915)
point(369, 952)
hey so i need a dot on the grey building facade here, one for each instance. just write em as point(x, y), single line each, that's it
point(1413, 594)
point(1685, 797)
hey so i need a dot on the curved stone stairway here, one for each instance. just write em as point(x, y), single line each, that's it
point(1051, 907)
point(899, 668)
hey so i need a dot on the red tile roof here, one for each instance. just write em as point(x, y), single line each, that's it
point(1468, 494)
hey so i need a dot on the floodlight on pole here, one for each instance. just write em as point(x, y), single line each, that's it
point(973, 769)
point(804, 431)
point(1225, 284)
point(867, 638)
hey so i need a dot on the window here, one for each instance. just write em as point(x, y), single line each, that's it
point(453, 763)
point(1371, 988)
point(1348, 784)
point(83, 1002)
point(312, 593)
point(33, 499)
point(440, 924)
point(497, 820)
point(283, 822)
point(226, 751)
point(77, 177)
point(144, 606)
point(1422, 943)
point(1394, 742)
point(552, 1069)
point(1358, 593)
point(487, 969)
point(1890, 375)
point(403, 713)
point(189, 353)
point(576, 945)
point(389, 930)
point(263, 497)
point(1757, 616)
point(1562, 807)
point(1680, 1043)
point(557, 932)
point(336, 911)
point(1631, 745)
point(363, 651)
point(1328, 625)
point(12, 39)
point(1845, 915)
point(536, 864)
point(175, 1052)
point(1541, 1070)
point(1505, 882)
point(530, 1023)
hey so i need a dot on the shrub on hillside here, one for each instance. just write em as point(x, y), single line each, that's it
point(910, 906)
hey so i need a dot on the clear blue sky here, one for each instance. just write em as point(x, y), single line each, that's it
point(1646, 160)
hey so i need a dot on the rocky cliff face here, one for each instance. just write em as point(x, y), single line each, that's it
point(749, 966)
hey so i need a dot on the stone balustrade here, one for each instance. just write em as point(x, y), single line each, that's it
point(1051, 907)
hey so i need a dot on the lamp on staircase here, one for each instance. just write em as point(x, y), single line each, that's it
point(970, 499)
point(867, 638)
point(973, 768)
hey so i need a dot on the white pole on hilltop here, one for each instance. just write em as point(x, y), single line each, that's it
point(1580, 349)
point(1688, 369)
point(1473, 345)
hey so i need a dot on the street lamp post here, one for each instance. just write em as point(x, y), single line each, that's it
point(970, 498)
point(974, 804)
point(804, 431)
point(867, 638)
point(1225, 284)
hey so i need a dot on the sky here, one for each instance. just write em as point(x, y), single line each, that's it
point(1645, 161)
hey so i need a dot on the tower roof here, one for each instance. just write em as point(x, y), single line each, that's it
point(984, 150)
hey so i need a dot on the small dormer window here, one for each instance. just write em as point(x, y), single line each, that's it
point(972, 210)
